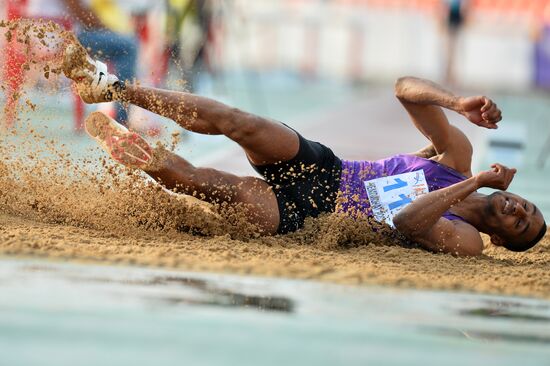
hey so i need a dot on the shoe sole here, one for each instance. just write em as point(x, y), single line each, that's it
point(125, 147)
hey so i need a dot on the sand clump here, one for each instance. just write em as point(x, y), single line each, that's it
point(52, 207)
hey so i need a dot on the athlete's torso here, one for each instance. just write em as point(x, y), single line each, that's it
point(359, 176)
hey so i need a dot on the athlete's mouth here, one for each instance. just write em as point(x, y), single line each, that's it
point(509, 207)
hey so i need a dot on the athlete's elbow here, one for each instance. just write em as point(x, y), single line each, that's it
point(405, 226)
point(399, 222)
point(471, 249)
point(402, 85)
point(467, 251)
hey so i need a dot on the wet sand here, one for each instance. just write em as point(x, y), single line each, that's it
point(497, 272)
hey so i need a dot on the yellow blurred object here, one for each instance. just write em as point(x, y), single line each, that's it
point(178, 11)
point(178, 4)
point(112, 16)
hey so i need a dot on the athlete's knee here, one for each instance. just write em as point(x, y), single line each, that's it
point(258, 201)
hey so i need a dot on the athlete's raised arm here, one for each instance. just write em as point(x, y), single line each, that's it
point(422, 220)
point(424, 101)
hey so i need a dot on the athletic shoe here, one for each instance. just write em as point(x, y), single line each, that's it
point(126, 147)
point(93, 81)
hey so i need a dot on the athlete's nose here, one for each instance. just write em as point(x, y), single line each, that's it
point(520, 210)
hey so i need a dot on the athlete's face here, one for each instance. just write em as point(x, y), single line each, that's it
point(513, 218)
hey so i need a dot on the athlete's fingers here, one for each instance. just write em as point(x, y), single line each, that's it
point(511, 175)
point(495, 109)
point(492, 119)
point(487, 104)
point(502, 176)
point(500, 168)
point(483, 101)
point(492, 110)
point(489, 124)
point(492, 115)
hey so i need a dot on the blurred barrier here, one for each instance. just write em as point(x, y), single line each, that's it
point(543, 59)
point(503, 44)
point(149, 18)
point(339, 39)
point(152, 55)
point(381, 39)
point(13, 73)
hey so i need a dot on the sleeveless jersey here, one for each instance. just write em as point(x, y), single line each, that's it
point(356, 175)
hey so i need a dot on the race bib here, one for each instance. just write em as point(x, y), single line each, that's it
point(388, 195)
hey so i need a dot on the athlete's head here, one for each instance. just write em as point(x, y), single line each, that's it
point(516, 223)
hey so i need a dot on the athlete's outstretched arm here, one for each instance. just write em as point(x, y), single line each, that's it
point(422, 221)
point(424, 101)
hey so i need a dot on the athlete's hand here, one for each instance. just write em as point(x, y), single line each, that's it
point(481, 111)
point(499, 177)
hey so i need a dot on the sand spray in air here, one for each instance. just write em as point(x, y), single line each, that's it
point(44, 183)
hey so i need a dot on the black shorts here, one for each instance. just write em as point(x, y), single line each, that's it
point(306, 185)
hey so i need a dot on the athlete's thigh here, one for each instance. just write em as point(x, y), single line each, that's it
point(266, 141)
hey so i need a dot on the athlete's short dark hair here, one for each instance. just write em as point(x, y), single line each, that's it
point(522, 247)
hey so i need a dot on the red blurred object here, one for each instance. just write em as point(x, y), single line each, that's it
point(530, 10)
point(14, 60)
point(159, 71)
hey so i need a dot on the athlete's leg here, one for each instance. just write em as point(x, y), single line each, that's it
point(121, 50)
point(264, 141)
point(254, 195)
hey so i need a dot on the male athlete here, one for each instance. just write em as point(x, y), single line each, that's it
point(430, 197)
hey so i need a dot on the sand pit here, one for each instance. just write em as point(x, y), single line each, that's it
point(498, 272)
point(54, 207)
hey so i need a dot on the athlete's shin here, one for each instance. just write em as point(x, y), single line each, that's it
point(192, 112)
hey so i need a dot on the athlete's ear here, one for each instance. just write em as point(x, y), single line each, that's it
point(497, 240)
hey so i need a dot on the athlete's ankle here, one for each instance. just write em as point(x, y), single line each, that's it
point(117, 91)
